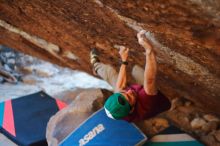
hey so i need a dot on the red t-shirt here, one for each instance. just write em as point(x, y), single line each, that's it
point(147, 106)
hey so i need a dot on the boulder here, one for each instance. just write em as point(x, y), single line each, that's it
point(185, 35)
point(68, 119)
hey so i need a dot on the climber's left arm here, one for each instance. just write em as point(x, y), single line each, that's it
point(122, 77)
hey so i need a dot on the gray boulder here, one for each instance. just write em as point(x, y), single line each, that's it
point(68, 119)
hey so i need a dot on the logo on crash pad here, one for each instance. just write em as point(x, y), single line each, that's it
point(91, 134)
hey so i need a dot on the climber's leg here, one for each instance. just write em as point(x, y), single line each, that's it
point(104, 71)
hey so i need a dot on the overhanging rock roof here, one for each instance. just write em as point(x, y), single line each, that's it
point(63, 32)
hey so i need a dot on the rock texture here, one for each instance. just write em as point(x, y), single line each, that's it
point(185, 33)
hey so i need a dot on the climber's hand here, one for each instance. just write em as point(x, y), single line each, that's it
point(143, 41)
point(123, 53)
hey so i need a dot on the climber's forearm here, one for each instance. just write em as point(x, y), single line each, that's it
point(150, 73)
point(122, 79)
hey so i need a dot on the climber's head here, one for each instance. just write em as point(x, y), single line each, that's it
point(119, 105)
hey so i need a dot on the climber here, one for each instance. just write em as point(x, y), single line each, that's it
point(134, 102)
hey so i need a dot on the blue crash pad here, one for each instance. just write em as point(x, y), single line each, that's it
point(100, 130)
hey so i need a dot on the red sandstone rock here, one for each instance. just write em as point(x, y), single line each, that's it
point(64, 31)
